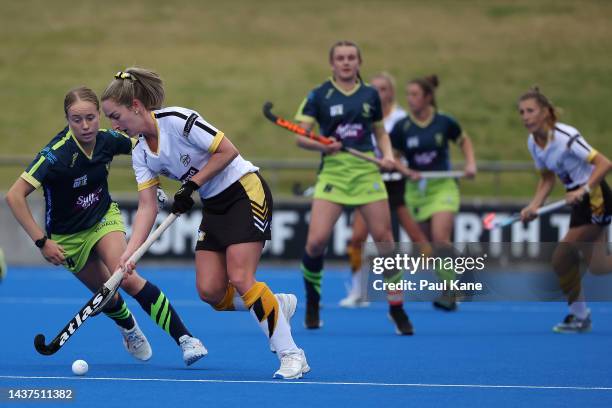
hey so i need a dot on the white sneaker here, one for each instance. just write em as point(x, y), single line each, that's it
point(293, 365)
point(287, 303)
point(193, 349)
point(136, 343)
point(352, 300)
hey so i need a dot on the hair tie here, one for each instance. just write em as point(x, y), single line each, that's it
point(124, 75)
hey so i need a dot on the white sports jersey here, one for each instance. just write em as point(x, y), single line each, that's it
point(566, 154)
point(186, 142)
point(389, 121)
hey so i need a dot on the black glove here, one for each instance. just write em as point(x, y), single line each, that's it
point(182, 199)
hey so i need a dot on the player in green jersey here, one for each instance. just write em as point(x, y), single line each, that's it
point(350, 111)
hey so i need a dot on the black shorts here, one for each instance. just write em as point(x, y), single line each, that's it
point(595, 208)
point(395, 191)
point(240, 213)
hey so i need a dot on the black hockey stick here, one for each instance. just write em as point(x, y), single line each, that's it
point(99, 299)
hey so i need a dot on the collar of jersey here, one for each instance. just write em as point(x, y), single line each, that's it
point(144, 139)
point(89, 156)
point(549, 138)
point(426, 122)
point(342, 91)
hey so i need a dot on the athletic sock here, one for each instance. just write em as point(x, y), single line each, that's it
point(354, 254)
point(156, 304)
point(232, 301)
point(264, 307)
point(395, 297)
point(312, 270)
point(120, 313)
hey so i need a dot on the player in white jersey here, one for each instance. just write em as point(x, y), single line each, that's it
point(394, 183)
point(237, 204)
point(559, 149)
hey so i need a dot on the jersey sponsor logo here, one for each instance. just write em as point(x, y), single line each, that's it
point(189, 124)
point(185, 159)
point(412, 142)
point(48, 154)
point(80, 181)
point(336, 110)
point(367, 110)
point(87, 200)
point(425, 158)
point(349, 131)
point(187, 176)
point(329, 93)
point(75, 156)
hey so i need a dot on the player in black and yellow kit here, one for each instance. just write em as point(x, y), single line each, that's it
point(423, 138)
point(84, 229)
point(350, 111)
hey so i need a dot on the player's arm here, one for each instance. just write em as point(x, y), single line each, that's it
point(143, 222)
point(545, 186)
point(602, 167)
point(467, 148)
point(309, 144)
point(16, 200)
point(384, 144)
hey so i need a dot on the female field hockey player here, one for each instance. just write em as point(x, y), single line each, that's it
point(423, 139)
point(559, 149)
point(394, 183)
point(350, 111)
point(178, 143)
point(84, 229)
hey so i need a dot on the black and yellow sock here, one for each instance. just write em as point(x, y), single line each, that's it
point(355, 255)
point(157, 305)
point(262, 302)
point(312, 270)
point(120, 313)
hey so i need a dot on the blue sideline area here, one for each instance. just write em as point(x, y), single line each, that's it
point(486, 354)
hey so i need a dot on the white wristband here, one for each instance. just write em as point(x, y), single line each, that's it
point(587, 188)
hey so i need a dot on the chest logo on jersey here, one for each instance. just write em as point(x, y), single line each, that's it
point(75, 156)
point(185, 159)
point(349, 131)
point(330, 92)
point(367, 110)
point(80, 181)
point(336, 110)
point(86, 201)
point(425, 158)
point(439, 139)
point(412, 142)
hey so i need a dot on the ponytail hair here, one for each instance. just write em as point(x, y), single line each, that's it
point(428, 85)
point(136, 83)
point(543, 102)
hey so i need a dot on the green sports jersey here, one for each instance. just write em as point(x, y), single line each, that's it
point(425, 145)
point(75, 184)
point(347, 116)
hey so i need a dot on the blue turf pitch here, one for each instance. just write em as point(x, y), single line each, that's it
point(485, 355)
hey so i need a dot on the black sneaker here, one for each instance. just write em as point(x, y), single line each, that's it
point(447, 302)
point(312, 320)
point(398, 316)
point(572, 324)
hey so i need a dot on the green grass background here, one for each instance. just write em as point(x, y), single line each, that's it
point(225, 59)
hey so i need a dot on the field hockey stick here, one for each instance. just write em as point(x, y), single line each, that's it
point(100, 298)
point(297, 129)
point(492, 221)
